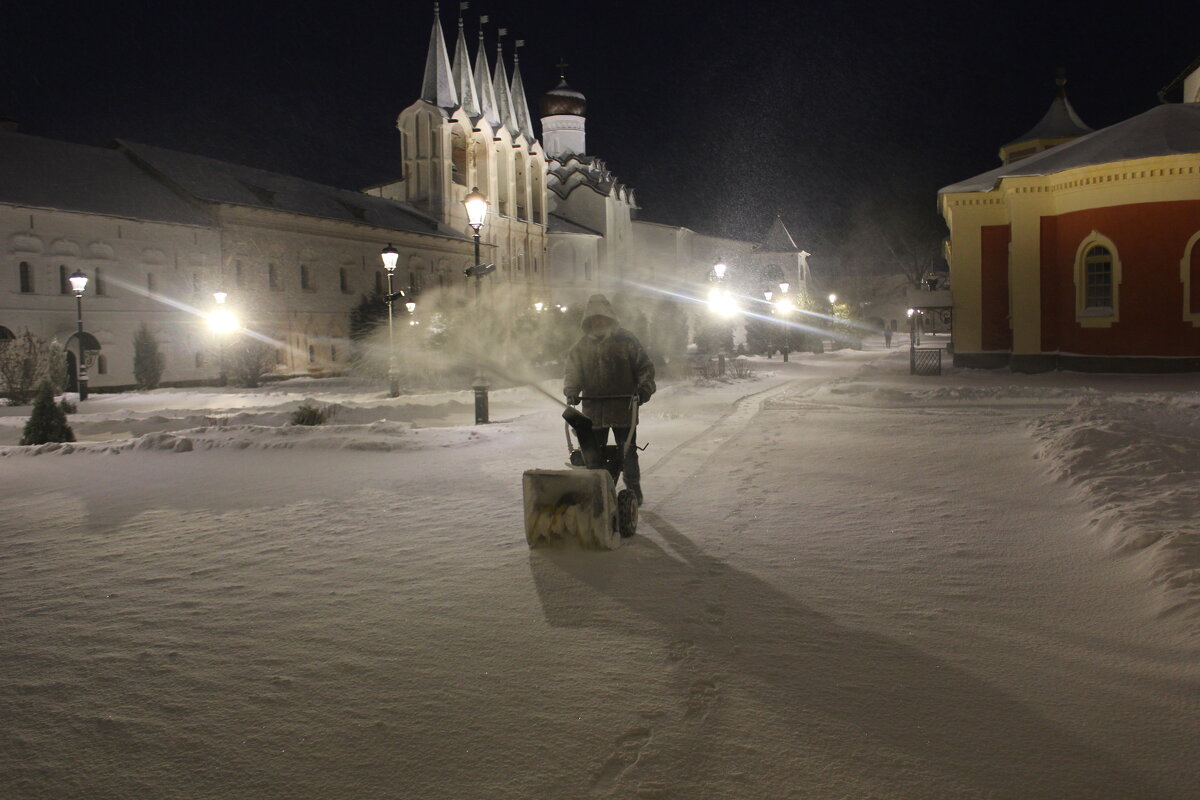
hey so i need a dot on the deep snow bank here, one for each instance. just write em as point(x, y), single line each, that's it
point(1138, 459)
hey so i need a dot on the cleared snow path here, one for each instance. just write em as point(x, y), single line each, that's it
point(828, 600)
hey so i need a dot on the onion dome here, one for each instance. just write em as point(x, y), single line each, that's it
point(562, 99)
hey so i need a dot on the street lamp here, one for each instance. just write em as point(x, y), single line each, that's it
point(477, 208)
point(78, 284)
point(389, 255)
point(223, 322)
point(832, 299)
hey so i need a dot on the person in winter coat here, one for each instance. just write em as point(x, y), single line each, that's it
point(609, 360)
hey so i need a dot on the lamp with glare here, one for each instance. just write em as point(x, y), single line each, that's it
point(768, 294)
point(538, 306)
point(832, 298)
point(783, 287)
point(79, 282)
point(719, 271)
point(389, 256)
point(477, 208)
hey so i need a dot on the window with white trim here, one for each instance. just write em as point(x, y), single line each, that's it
point(1097, 282)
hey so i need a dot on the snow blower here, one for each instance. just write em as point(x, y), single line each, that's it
point(582, 503)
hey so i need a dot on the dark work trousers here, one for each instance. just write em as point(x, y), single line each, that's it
point(631, 470)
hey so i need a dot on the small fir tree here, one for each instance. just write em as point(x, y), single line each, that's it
point(147, 360)
point(47, 422)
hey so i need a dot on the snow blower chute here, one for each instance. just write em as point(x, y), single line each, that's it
point(582, 503)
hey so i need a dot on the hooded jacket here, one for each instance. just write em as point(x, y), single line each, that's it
point(607, 360)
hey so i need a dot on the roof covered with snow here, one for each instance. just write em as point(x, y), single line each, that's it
point(47, 173)
point(214, 181)
point(1059, 122)
point(1172, 129)
point(778, 239)
point(557, 224)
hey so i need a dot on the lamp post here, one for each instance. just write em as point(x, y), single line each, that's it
point(389, 255)
point(785, 311)
point(223, 322)
point(768, 294)
point(78, 284)
point(720, 302)
point(477, 208)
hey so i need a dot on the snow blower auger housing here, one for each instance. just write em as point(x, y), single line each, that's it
point(582, 503)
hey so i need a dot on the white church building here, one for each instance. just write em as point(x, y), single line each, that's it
point(159, 231)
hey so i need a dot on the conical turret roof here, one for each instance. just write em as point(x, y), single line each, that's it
point(483, 82)
point(521, 114)
point(778, 239)
point(438, 86)
point(464, 80)
point(1059, 122)
point(504, 101)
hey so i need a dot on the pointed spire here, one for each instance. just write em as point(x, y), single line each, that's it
point(520, 102)
point(438, 86)
point(504, 102)
point(464, 81)
point(778, 239)
point(486, 92)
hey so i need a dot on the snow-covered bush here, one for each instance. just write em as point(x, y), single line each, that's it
point(25, 362)
point(148, 362)
point(47, 422)
point(311, 414)
point(248, 361)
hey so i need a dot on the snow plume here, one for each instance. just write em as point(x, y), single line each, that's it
point(1139, 461)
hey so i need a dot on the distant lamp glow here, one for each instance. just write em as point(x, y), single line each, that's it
point(563, 309)
point(78, 282)
point(783, 287)
point(785, 306)
point(538, 306)
point(220, 297)
point(223, 321)
point(768, 294)
point(389, 256)
point(411, 306)
point(477, 207)
point(833, 298)
point(719, 271)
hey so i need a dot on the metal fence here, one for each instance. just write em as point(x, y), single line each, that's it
point(925, 361)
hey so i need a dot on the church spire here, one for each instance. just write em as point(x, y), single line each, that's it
point(520, 102)
point(464, 81)
point(486, 92)
point(438, 86)
point(504, 101)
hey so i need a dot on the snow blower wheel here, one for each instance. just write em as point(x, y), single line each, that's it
point(627, 513)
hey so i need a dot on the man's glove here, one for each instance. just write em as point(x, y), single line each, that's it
point(572, 399)
point(643, 397)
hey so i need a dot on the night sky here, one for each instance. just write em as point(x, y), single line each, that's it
point(719, 116)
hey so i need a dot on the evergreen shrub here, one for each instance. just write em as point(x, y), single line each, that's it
point(148, 362)
point(47, 422)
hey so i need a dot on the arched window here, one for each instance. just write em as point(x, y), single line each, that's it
point(102, 364)
point(1097, 282)
point(273, 279)
point(64, 285)
point(344, 280)
point(25, 273)
point(1189, 274)
point(306, 282)
point(1097, 278)
point(101, 286)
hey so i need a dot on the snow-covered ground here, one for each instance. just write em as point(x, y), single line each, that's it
point(849, 582)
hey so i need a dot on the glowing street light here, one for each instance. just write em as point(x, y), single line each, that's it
point(477, 207)
point(79, 283)
point(783, 287)
point(389, 255)
point(832, 299)
point(719, 271)
point(222, 322)
point(538, 306)
point(768, 294)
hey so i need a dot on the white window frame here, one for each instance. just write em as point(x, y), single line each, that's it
point(1185, 276)
point(1096, 317)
